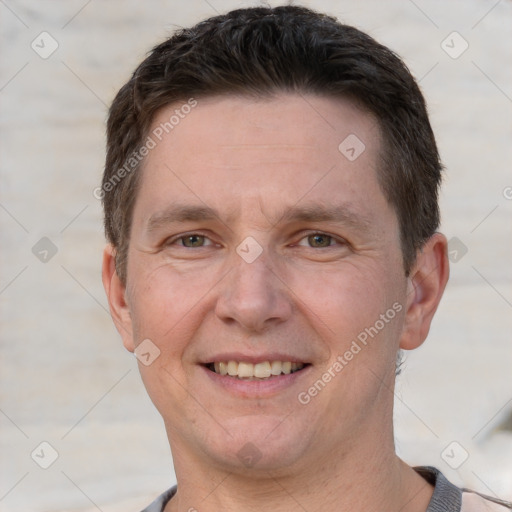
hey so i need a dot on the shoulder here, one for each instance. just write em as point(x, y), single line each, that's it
point(474, 502)
point(447, 497)
point(159, 504)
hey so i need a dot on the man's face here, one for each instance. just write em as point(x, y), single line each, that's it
point(257, 238)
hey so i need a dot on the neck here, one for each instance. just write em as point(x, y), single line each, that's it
point(368, 476)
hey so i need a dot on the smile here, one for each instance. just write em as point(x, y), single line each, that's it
point(259, 371)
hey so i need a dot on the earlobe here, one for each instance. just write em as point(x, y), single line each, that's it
point(426, 284)
point(116, 295)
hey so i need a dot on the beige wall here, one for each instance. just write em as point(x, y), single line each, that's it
point(65, 378)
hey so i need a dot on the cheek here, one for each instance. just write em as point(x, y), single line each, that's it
point(343, 300)
point(166, 305)
point(358, 313)
point(167, 308)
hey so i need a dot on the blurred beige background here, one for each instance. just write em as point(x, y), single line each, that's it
point(65, 378)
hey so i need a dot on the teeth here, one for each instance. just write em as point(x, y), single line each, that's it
point(223, 369)
point(262, 370)
point(249, 371)
point(245, 370)
point(275, 367)
point(232, 368)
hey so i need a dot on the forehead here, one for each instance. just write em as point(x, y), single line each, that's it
point(232, 126)
point(234, 152)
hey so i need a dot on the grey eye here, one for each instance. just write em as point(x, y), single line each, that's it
point(319, 240)
point(193, 240)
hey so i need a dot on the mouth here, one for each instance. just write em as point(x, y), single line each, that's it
point(260, 371)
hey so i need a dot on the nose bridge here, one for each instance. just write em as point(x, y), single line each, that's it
point(253, 278)
point(252, 296)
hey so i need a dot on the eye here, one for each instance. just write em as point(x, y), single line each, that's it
point(318, 240)
point(191, 241)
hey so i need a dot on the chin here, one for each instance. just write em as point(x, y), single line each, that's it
point(257, 444)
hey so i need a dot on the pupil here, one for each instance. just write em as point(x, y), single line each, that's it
point(319, 240)
point(193, 240)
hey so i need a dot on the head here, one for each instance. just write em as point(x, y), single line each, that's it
point(294, 158)
point(259, 53)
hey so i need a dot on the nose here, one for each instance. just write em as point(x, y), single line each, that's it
point(253, 296)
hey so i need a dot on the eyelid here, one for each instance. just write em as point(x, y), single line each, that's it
point(304, 234)
point(173, 239)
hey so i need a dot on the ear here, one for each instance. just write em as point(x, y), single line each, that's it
point(426, 283)
point(116, 294)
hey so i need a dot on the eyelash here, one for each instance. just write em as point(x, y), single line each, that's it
point(320, 233)
point(173, 240)
point(337, 240)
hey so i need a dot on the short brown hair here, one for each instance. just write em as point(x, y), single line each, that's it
point(261, 51)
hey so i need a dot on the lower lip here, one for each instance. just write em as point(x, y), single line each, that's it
point(256, 388)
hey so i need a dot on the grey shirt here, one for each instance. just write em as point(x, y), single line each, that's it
point(446, 498)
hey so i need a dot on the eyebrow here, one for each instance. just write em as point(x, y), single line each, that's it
point(180, 213)
point(341, 214)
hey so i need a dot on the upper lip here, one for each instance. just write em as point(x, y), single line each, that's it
point(254, 358)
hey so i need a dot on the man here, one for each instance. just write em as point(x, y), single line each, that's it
point(270, 196)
